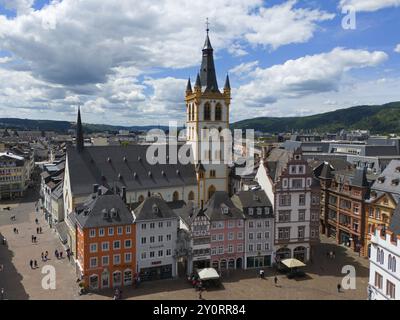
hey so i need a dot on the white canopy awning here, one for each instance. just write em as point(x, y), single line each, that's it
point(208, 274)
point(293, 263)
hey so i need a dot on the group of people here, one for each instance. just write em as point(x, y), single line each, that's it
point(16, 231)
point(33, 264)
point(34, 239)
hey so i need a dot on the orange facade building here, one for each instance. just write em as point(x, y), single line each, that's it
point(105, 241)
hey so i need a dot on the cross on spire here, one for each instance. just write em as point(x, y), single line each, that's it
point(207, 25)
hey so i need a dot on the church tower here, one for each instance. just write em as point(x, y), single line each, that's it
point(207, 115)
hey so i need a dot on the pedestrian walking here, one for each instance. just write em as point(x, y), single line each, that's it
point(56, 253)
point(61, 254)
point(37, 230)
point(31, 264)
point(339, 287)
point(276, 280)
point(46, 255)
point(42, 256)
point(36, 221)
point(33, 238)
point(15, 230)
point(36, 264)
point(40, 230)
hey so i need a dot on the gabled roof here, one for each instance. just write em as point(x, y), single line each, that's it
point(253, 198)
point(117, 166)
point(154, 208)
point(98, 210)
point(220, 201)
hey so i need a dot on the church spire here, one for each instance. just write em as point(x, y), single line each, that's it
point(79, 132)
point(207, 72)
point(189, 87)
point(227, 85)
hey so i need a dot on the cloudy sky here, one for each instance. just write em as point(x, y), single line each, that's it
point(127, 62)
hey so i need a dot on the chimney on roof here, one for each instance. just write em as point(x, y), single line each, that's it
point(95, 188)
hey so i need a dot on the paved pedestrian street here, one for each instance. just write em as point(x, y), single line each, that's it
point(17, 278)
point(21, 282)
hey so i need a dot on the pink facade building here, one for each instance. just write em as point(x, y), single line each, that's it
point(226, 231)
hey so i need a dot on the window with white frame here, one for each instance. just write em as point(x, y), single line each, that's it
point(220, 250)
point(239, 248)
point(101, 232)
point(105, 261)
point(160, 238)
point(169, 237)
point(128, 257)
point(93, 262)
point(128, 230)
point(116, 259)
point(128, 243)
point(117, 245)
point(213, 251)
point(221, 237)
point(240, 235)
point(120, 230)
point(230, 248)
point(92, 233)
point(111, 231)
point(152, 239)
point(230, 236)
point(259, 211)
point(168, 252)
point(251, 211)
point(160, 253)
point(105, 246)
point(152, 254)
point(152, 225)
point(251, 247)
point(93, 247)
point(143, 255)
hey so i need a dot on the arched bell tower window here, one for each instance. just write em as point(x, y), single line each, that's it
point(207, 111)
point(218, 112)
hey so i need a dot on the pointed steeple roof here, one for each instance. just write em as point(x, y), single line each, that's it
point(207, 72)
point(227, 83)
point(207, 43)
point(189, 86)
point(79, 132)
point(198, 81)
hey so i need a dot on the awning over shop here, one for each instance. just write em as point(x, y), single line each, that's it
point(62, 230)
point(293, 263)
point(208, 274)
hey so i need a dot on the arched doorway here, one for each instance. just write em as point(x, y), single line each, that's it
point(223, 264)
point(117, 279)
point(231, 264)
point(105, 279)
point(175, 196)
point(128, 277)
point(191, 196)
point(239, 263)
point(300, 253)
point(94, 282)
point(211, 191)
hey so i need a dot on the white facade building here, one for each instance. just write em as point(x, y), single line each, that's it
point(156, 239)
point(384, 273)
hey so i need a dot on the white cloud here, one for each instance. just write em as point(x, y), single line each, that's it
point(244, 68)
point(78, 42)
point(397, 49)
point(304, 76)
point(20, 6)
point(369, 5)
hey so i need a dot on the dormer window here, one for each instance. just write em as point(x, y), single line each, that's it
point(225, 210)
point(255, 197)
point(251, 210)
point(155, 208)
point(259, 211)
